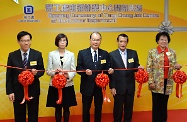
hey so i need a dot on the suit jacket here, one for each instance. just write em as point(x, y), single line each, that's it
point(123, 80)
point(156, 75)
point(35, 61)
point(55, 63)
point(84, 62)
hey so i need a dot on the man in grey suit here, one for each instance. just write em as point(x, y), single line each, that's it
point(25, 57)
point(122, 82)
point(92, 60)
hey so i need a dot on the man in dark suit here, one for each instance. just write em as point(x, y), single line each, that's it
point(25, 57)
point(122, 82)
point(90, 60)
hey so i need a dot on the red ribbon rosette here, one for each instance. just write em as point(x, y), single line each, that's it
point(59, 82)
point(179, 78)
point(141, 77)
point(102, 81)
point(26, 78)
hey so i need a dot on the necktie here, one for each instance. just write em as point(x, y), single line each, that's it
point(24, 59)
point(124, 58)
point(95, 59)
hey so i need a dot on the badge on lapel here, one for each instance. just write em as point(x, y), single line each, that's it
point(168, 53)
point(33, 63)
point(103, 61)
point(131, 60)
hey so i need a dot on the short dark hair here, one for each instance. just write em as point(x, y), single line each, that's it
point(162, 34)
point(95, 33)
point(123, 35)
point(23, 33)
point(58, 37)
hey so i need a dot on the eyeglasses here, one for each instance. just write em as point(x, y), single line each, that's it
point(95, 39)
point(25, 40)
point(64, 41)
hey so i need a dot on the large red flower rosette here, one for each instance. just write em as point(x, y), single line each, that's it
point(179, 78)
point(26, 78)
point(141, 77)
point(102, 81)
point(59, 81)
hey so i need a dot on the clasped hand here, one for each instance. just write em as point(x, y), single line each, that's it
point(63, 72)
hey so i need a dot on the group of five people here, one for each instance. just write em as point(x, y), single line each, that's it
point(92, 61)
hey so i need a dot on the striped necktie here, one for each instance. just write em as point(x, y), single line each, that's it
point(25, 59)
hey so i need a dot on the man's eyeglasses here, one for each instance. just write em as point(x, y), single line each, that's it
point(95, 39)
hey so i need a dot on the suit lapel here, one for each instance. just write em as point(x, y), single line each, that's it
point(99, 58)
point(19, 58)
point(89, 57)
point(30, 58)
point(118, 56)
point(57, 58)
point(66, 56)
point(128, 57)
point(170, 56)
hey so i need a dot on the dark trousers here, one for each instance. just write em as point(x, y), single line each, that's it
point(30, 107)
point(86, 105)
point(58, 114)
point(159, 106)
point(123, 103)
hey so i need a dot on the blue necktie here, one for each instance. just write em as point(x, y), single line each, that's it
point(24, 59)
point(95, 59)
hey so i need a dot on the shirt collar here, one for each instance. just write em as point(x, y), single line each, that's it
point(125, 52)
point(92, 50)
point(160, 51)
point(25, 52)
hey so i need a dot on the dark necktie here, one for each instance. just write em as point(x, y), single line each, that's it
point(95, 59)
point(24, 59)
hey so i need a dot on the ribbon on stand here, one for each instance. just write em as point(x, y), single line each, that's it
point(102, 81)
point(179, 78)
point(59, 81)
point(141, 77)
point(26, 78)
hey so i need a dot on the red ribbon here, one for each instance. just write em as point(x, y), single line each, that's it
point(141, 77)
point(26, 78)
point(179, 78)
point(59, 81)
point(102, 81)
